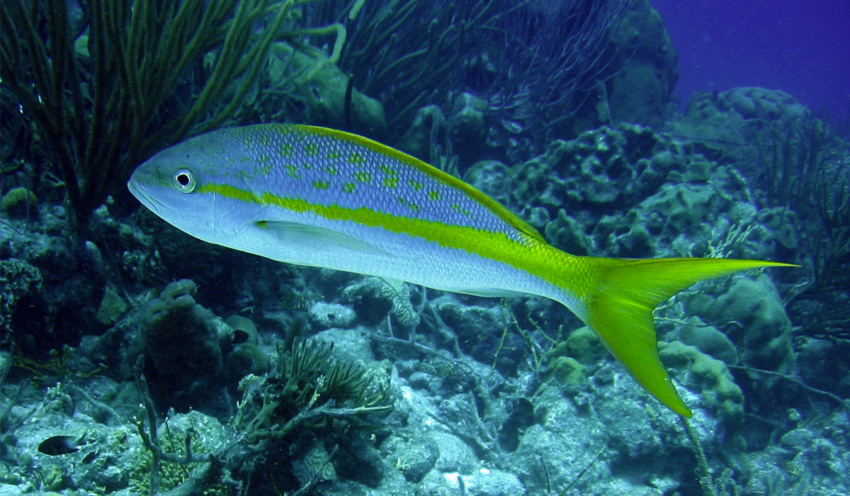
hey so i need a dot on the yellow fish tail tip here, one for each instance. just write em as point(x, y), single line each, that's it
point(620, 309)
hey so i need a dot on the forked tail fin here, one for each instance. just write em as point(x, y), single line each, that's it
point(620, 310)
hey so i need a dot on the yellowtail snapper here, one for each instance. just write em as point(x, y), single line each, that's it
point(324, 198)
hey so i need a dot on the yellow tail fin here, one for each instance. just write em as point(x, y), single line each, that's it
point(620, 310)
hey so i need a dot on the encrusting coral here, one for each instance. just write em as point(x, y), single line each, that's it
point(698, 371)
point(19, 202)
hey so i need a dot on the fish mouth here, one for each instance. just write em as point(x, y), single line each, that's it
point(134, 188)
point(144, 196)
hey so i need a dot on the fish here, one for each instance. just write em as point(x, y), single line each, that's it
point(321, 197)
point(61, 445)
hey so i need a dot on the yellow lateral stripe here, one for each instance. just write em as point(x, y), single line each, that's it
point(447, 179)
point(487, 244)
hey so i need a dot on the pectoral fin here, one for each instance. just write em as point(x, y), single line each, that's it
point(314, 237)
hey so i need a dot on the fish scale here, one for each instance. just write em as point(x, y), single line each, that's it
point(322, 170)
point(320, 197)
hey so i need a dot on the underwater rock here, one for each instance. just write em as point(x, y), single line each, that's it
point(676, 208)
point(472, 322)
point(100, 464)
point(572, 361)
point(181, 337)
point(520, 417)
point(455, 455)
point(413, 452)
point(816, 356)
point(567, 371)
point(807, 448)
point(484, 482)
point(626, 235)
point(761, 103)
point(563, 441)
point(810, 458)
point(710, 214)
point(480, 333)
point(424, 381)
point(780, 222)
point(736, 122)
point(359, 460)
point(326, 315)
point(637, 427)
point(350, 344)
point(244, 359)
point(798, 440)
point(73, 275)
point(566, 233)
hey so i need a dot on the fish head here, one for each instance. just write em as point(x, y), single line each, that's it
point(181, 184)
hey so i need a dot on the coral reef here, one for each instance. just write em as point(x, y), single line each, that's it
point(640, 91)
point(602, 168)
point(22, 303)
point(711, 377)
point(324, 91)
point(763, 328)
point(181, 337)
point(306, 375)
point(322, 382)
point(242, 353)
point(126, 100)
point(112, 307)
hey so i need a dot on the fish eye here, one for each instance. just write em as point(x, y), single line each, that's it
point(184, 181)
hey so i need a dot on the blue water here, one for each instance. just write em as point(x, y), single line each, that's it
point(802, 48)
